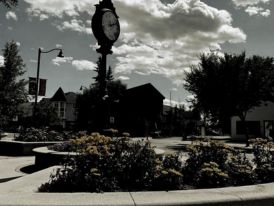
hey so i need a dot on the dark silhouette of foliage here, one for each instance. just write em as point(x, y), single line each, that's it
point(12, 88)
point(9, 3)
point(96, 101)
point(230, 85)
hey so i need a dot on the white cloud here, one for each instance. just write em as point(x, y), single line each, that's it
point(10, 15)
point(174, 103)
point(123, 78)
point(251, 7)
point(57, 60)
point(33, 61)
point(253, 10)
point(59, 46)
point(18, 44)
point(75, 25)
point(58, 8)
point(156, 38)
point(1, 60)
point(245, 3)
point(83, 65)
point(168, 38)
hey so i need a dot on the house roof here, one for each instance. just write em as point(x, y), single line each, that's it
point(59, 96)
point(144, 89)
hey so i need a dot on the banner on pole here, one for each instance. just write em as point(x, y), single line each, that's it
point(42, 87)
point(32, 86)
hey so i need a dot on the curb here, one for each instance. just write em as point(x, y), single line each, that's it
point(23, 191)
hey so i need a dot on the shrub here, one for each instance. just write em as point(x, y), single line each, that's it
point(210, 175)
point(41, 135)
point(106, 164)
point(263, 159)
point(204, 152)
point(240, 169)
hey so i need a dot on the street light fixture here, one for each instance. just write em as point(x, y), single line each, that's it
point(60, 54)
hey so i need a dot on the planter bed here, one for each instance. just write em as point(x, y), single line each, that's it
point(23, 191)
point(45, 157)
point(20, 148)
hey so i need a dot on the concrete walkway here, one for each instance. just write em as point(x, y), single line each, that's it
point(10, 167)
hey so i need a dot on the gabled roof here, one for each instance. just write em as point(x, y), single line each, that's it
point(59, 96)
point(145, 89)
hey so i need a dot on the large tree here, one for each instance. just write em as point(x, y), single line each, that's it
point(230, 85)
point(9, 3)
point(12, 85)
point(97, 102)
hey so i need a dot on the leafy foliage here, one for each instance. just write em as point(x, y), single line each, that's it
point(240, 169)
point(105, 164)
point(210, 175)
point(230, 85)
point(9, 3)
point(41, 135)
point(12, 88)
point(264, 159)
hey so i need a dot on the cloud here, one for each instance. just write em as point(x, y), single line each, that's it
point(58, 8)
point(10, 15)
point(75, 25)
point(174, 103)
point(253, 10)
point(245, 3)
point(83, 65)
point(251, 7)
point(18, 43)
point(33, 61)
point(123, 78)
point(168, 38)
point(1, 61)
point(156, 38)
point(57, 60)
point(59, 46)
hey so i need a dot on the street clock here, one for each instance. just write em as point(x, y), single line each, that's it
point(105, 25)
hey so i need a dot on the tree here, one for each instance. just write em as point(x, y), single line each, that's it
point(9, 3)
point(230, 85)
point(12, 88)
point(97, 102)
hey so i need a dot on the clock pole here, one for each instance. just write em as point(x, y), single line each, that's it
point(106, 29)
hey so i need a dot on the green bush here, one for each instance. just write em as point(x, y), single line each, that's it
point(41, 135)
point(106, 164)
point(201, 153)
point(263, 159)
point(240, 169)
point(212, 164)
point(210, 175)
point(120, 164)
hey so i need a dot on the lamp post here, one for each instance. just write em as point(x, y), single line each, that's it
point(60, 54)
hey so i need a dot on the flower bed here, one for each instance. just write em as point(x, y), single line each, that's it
point(45, 135)
point(105, 164)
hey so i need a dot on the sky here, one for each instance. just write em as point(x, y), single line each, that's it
point(159, 40)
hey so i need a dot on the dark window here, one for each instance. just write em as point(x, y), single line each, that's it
point(252, 126)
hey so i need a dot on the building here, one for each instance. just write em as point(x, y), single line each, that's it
point(141, 110)
point(260, 122)
point(65, 107)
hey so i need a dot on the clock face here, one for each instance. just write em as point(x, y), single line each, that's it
point(111, 27)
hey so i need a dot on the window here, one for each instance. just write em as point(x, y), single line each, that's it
point(268, 129)
point(253, 127)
